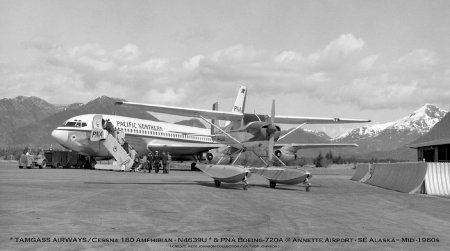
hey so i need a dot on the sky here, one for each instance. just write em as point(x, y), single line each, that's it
point(377, 60)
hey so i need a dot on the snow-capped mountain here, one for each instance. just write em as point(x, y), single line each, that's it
point(391, 135)
point(318, 133)
point(304, 136)
point(420, 121)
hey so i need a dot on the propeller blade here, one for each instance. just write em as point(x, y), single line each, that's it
point(271, 130)
point(270, 146)
point(272, 114)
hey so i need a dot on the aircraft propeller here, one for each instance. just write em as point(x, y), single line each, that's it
point(271, 131)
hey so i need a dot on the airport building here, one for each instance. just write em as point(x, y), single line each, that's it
point(433, 151)
point(435, 145)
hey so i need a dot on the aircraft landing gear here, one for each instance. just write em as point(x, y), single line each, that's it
point(194, 166)
point(272, 184)
point(217, 183)
point(308, 185)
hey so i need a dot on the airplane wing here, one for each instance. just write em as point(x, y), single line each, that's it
point(183, 111)
point(315, 120)
point(232, 116)
point(294, 146)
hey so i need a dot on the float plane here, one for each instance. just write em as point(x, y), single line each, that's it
point(246, 131)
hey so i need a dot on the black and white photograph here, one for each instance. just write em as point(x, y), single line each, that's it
point(224, 125)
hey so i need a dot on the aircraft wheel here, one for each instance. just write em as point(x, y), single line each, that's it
point(20, 167)
point(193, 166)
point(272, 184)
point(308, 185)
point(93, 162)
point(217, 183)
point(245, 187)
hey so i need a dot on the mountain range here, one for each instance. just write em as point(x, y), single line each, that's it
point(378, 141)
point(394, 135)
point(30, 120)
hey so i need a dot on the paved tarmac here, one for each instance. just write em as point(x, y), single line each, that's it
point(56, 209)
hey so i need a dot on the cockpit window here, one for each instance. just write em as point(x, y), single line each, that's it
point(75, 123)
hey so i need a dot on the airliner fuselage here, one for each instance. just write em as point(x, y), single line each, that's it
point(144, 135)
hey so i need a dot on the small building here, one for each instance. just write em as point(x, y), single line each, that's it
point(435, 145)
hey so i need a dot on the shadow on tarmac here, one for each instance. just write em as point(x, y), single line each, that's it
point(238, 186)
point(227, 186)
point(233, 186)
point(138, 183)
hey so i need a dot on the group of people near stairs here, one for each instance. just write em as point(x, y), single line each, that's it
point(148, 162)
point(153, 161)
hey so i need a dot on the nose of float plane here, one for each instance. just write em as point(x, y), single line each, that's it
point(60, 136)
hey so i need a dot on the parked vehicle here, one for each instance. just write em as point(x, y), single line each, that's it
point(31, 161)
point(66, 159)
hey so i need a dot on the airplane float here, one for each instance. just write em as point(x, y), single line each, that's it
point(241, 132)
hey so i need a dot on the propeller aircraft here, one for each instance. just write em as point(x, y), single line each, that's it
point(249, 132)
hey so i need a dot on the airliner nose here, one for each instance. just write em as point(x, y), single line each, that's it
point(60, 136)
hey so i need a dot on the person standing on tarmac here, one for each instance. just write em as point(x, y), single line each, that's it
point(136, 165)
point(244, 180)
point(150, 161)
point(156, 161)
point(26, 150)
point(144, 163)
point(164, 159)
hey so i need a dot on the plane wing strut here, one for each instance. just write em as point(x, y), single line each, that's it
point(220, 129)
point(291, 131)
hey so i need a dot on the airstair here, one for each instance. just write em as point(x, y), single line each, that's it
point(113, 144)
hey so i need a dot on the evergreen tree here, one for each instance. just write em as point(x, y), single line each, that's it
point(318, 161)
point(329, 156)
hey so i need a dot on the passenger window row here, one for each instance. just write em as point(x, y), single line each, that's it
point(165, 134)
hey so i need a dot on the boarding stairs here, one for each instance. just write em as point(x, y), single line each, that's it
point(123, 161)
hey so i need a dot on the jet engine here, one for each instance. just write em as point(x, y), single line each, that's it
point(214, 158)
point(209, 156)
point(278, 153)
point(285, 155)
